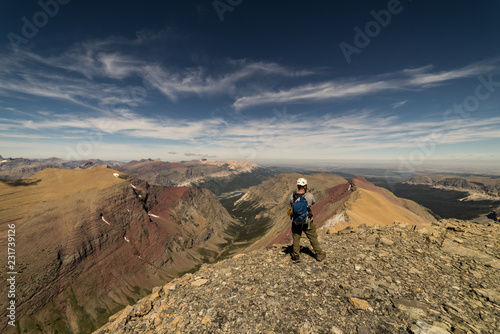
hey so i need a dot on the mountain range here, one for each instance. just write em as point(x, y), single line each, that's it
point(478, 187)
point(98, 239)
point(21, 168)
point(218, 176)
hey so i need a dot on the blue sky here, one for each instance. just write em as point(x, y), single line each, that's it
point(406, 81)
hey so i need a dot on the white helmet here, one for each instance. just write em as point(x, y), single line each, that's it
point(302, 182)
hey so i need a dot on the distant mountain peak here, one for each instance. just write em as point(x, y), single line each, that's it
point(241, 166)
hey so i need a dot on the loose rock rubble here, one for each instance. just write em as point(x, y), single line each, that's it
point(396, 279)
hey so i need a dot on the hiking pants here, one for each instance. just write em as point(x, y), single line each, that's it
point(311, 234)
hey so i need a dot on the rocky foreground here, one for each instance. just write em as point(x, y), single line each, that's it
point(395, 279)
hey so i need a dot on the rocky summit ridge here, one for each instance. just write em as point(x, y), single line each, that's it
point(400, 278)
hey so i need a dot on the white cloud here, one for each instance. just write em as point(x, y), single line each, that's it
point(91, 74)
point(202, 155)
point(328, 134)
point(196, 81)
point(426, 79)
point(399, 104)
point(346, 89)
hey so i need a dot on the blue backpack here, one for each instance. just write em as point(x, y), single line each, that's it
point(299, 209)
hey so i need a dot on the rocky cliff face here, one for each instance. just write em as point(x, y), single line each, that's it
point(459, 183)
point(91, 242)
point(479, 188)
point(394, 279)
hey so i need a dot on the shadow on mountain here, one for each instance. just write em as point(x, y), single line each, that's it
point(20, 183)
point(493, 215)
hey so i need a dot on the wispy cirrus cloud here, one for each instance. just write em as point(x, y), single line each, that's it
point(95, 74)
point(92, 74)
point(342, 89)
point(91, 95)
point(426, 78)
point(126, 124)
point(99, 77)
point(203, 155)
point(399, 104)
point(198, 81)
point(363, 130)
point(328, 134)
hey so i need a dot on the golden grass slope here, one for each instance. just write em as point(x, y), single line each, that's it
point(371, 208)
point(51, 190)
point(55, 217)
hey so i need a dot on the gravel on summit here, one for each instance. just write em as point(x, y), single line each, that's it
point(394, 279)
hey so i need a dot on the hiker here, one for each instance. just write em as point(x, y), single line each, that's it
point(302, 220)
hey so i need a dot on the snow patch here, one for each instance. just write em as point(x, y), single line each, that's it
point(104, 220)
point(1, 162)
point(133, 186)
point(152, 215)
point(334, 220)
point(243, 198)
point(126, 239)
point(116, 174)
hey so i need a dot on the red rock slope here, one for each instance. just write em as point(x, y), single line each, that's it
point(89, 243)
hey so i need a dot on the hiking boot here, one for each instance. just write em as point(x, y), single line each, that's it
point(295, 258)
point(320, 256)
